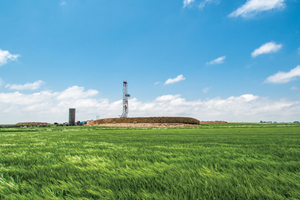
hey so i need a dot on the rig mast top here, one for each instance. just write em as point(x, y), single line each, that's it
point(125, 100)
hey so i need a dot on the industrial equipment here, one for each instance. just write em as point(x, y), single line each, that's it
point(125, 100)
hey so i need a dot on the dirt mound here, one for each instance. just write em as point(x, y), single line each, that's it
point(145, 120)
point(213, 122)
point(32, 123)
point(148, 125)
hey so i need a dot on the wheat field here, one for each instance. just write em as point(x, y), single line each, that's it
point(213, 161)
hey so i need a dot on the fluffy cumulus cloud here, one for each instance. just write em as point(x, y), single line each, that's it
point(76, 92)
point(219, 60)
point(27, 86)
point(269, 47)
point(48, 106)
point(284, 77)
point(5, 56)
point(252, 7)
point(174, 80)
point(53, 106)
point(168, 97)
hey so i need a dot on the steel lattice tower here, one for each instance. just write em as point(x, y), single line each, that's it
point(125, 100)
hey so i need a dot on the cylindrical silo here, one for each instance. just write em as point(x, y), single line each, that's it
point(72, 116)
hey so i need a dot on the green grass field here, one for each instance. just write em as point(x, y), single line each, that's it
point(232, 161)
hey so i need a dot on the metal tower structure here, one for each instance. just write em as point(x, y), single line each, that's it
point(125, 100)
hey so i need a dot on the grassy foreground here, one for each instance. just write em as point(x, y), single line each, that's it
point(233, 161)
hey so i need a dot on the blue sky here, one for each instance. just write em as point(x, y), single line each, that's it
point(208, 59)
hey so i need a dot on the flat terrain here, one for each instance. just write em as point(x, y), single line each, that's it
point(213, 161)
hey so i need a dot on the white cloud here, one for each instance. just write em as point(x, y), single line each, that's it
point(219, 60)
point(269, 47)
point(27, 86)
point(299, 50)
point(205, 90)
point(174, 80)
point(167, 97)
point(284, 77)
point(76, 92)
point(1, 81)
point(63, 3)
point(187, 2)
point(252, 7)
point(294, 88)
point(157, 83)
point(203, 3)
point(49, 107)
point(5, 56)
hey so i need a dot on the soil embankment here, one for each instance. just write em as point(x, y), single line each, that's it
point(32, 123)
point(213, 122)
point(146, 122)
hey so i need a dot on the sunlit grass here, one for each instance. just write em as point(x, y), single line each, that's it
point(228, 161)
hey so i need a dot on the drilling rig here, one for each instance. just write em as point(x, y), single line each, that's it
point(125, 100)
